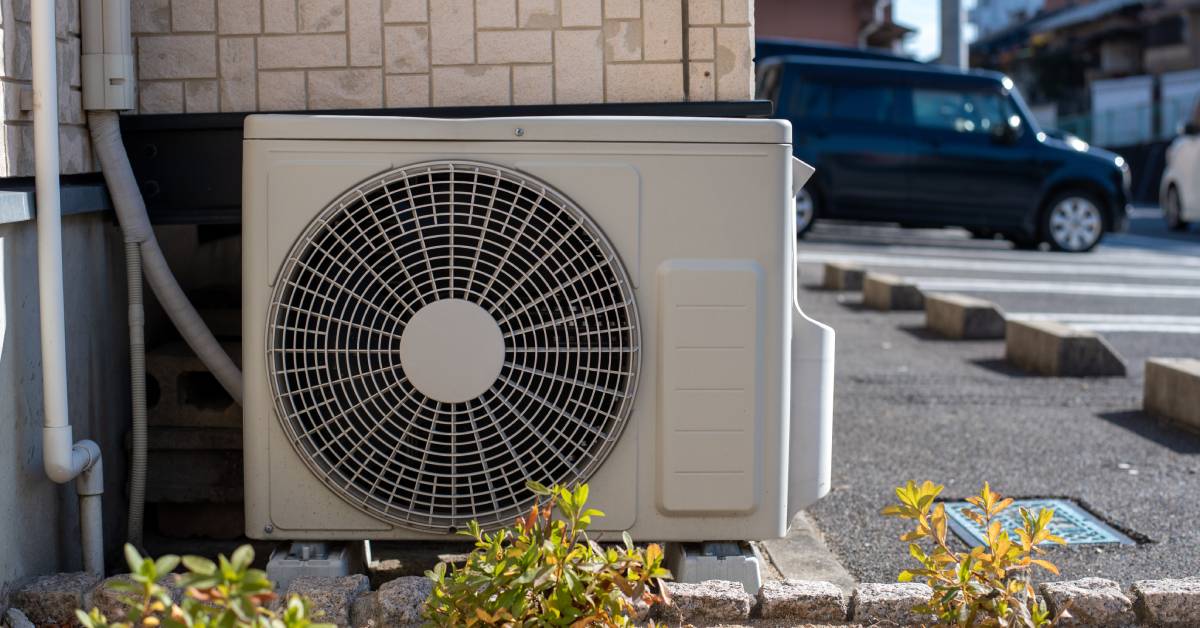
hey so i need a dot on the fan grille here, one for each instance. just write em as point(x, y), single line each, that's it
point(426, 233)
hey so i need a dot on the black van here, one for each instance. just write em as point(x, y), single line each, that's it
point(931, 146)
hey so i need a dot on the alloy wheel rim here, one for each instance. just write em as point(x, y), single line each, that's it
point(804, 210)
point(1075, 223)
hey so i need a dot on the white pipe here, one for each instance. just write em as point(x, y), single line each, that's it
point(64, 459)
point(131, 212)
point(137, 378)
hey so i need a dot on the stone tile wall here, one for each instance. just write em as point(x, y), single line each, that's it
point(198, 56)
point(16, 91)
point(202, 56)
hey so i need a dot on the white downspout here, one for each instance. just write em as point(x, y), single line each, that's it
point(64, 459)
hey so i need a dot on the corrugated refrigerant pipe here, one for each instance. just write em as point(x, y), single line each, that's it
point(64, 459)
point(131, 213)
point(137, 378)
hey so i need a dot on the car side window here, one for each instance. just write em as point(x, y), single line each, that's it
point(808, 99)
point(768, 85)
point(968, 112)
point(850, 102)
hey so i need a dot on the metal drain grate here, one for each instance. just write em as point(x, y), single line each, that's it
point(1074, 524)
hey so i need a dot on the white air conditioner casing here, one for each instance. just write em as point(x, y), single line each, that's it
point(435, 310)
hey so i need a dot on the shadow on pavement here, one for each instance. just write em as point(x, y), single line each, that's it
point(1002, 366)
point(1148, 427)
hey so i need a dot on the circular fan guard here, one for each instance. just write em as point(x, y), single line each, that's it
point(452, 230)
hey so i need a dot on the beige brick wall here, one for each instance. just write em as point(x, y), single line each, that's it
point(200, 56)
point(16, 91)
point(261, 55)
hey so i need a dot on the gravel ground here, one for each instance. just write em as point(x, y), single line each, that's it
point(911, 406)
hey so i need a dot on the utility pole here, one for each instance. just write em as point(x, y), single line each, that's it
point(954, 41)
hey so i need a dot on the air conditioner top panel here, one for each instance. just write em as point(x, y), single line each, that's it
point(539, 129)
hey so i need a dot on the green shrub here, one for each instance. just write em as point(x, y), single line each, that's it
point(545, 571)
point(990, 585)
point(222, 594)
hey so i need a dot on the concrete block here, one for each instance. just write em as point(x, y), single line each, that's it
point(319, 50)
point(322, 16)
point(890, 604)
point(405, 11)
point(524, 46)
point(201, 96)
point(702, 85)
point(578, 66)
point(533, 84)
point(711, 601)
point(407, 91)
point(239, 17)
point(187, 393)
point(538, 14)
point(452, 32)
point(622, 9)
point(580, 13)
point(216, 522)
point(366, 40)
point(239, 82)
point(1057, 350)
point(400, 601)
point(645, 82)
point(701, 43)
point(406, 49)
point(888, 292)
point(704, 12)
point(496, 13)
point(109, 601)
point(1173, 603)
point(160, 97)
point(1172, 390)
point(962, 317)
point(277, 91)
point(279, 16)
point(735, 63)
point(662, 24)
point(332, 598)
point(191, 476)
point(802, 601)
point(623, 40)
point(843, 276)
point(53, 599)
point(1093, 602)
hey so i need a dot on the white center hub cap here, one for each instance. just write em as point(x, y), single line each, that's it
point(452, 350)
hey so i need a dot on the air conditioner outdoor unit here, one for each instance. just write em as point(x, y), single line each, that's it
point(436, 311)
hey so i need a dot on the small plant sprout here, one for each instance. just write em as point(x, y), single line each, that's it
point(545, 571)
point(989, 585)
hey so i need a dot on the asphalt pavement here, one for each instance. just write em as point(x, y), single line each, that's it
point(909, 405)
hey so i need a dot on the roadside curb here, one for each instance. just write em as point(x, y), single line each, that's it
point(1093, 601)
point(961, 317)
point(1172, 390)
point(843, 276)
point(1057, 350)
point(886, 292)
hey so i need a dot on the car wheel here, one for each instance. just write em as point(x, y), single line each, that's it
point(1173, 211)
point(1073, 222)
point(806, 211)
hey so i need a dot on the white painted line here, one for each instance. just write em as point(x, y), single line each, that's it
point(1117, 323)
point(1162, 319)
point(1123, 253)
point(955, 284)
point(1002, 266)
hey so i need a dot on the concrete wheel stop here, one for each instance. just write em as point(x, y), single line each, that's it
point(1057, 350)
point(1172, 390)
point(843, 276)
point(731, 561)
point(888, 292)
point(960, 317)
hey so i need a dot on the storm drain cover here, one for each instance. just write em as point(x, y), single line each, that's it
point(1071, 522)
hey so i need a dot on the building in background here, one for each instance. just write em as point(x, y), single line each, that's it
point(854, 23)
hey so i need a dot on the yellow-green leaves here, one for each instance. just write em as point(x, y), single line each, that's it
point(545, 571)
point(988, 585)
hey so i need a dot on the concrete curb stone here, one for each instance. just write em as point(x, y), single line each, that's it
point(109, 601)
point(332, 598)
point(1096, 602)
point(890, 604)
point(53, 599)
point(709, 601)
point(1174, 603)
point(802, 601)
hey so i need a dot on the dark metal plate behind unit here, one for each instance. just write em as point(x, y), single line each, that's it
point(189, 166)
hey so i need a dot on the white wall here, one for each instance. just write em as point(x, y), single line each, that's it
point(1122, 111)
point(38, 519)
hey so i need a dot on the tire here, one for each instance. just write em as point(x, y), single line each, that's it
point(1173, 211)
point(1073, 221)
point(806, 211)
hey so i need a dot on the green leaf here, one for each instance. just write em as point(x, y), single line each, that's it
point(166, 564)
point(242, 557)
point(132, 557)
point(199, 565)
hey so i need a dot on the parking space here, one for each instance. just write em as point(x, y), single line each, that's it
point(910, 405)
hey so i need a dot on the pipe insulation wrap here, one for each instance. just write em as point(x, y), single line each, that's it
point(137, 378)
point(131, 212)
